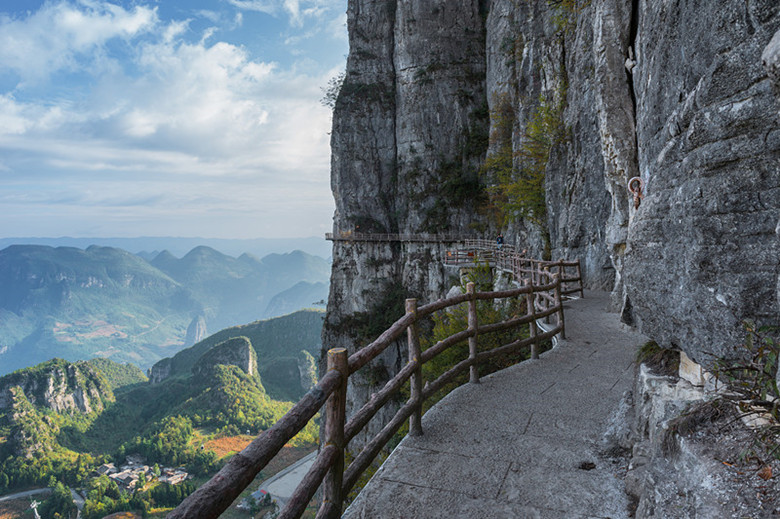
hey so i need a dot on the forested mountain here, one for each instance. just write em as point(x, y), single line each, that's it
point(238, 290)
point(285, 347)
point(105, 302)
point(86, 413)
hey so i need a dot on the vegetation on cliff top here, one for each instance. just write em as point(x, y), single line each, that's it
point(118, 375)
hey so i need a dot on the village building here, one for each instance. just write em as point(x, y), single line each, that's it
point(106, 468)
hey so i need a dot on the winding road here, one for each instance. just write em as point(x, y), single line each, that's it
point(282, 485)
point(26, 493)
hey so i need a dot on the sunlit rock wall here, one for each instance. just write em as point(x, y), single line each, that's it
point(409, 132)
point(673, 92)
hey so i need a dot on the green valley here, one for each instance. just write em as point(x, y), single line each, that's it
point(60, 421)
point(105, 302)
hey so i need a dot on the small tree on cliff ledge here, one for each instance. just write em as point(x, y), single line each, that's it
point(517, 178)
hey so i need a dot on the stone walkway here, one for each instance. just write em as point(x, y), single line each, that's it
point(522, 444)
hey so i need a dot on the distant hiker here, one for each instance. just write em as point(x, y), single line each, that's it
point(500, 241)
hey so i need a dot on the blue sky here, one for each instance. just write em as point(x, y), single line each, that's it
point(168, 117)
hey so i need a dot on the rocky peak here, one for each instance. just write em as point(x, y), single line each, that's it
point(59, 386)
point(237, 351)
point(196, 331)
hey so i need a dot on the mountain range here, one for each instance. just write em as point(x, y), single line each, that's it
point(149, 246)
point(76, 303)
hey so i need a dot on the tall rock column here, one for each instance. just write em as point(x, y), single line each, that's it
point(409, 132)
point(363, 172)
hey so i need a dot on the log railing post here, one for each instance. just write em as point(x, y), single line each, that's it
point(531, 310)
point(335, 415)
point(559, 305)
point(413, 337)
point(579, 276)
point(473, 326)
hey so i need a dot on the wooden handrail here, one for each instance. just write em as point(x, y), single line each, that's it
point(543, 292)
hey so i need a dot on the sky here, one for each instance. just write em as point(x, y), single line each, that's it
point(202, 118)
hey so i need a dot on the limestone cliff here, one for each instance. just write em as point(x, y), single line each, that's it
point(702, 255)
point(409, 132)
point(237, 351)
point(196, 331)
point(59, 386)
point(160, 371)
point(672, 92)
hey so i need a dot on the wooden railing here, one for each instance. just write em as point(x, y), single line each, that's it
point(508, 258)
point(542, 293)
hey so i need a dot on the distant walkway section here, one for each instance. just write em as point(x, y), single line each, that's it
point(524, 443)
point(394, 237)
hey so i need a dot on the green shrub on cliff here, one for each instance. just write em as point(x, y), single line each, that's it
point(118, 375)
point(455, 320)
point(517, 175)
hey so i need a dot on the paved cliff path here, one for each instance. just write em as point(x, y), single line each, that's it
point(519, 445)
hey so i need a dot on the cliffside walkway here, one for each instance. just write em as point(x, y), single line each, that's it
point(541, 284)
point(526, 441)
point(355, 236)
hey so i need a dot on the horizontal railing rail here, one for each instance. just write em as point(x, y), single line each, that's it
point(543, 297)
point(506, 257)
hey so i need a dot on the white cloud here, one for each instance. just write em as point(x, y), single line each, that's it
point(174, 29)
point(264, 6)
point(52, 38)
point(20, 118)
point(297, 10)
point(181, 123)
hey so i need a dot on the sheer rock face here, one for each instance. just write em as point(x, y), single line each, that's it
point(61, 387)
point(771, 59)
point(702, 254)
point(160, 371)
point(674, 93)
point(307, 370)
point(237, 351)
point(196, 331)
point(405, 152)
